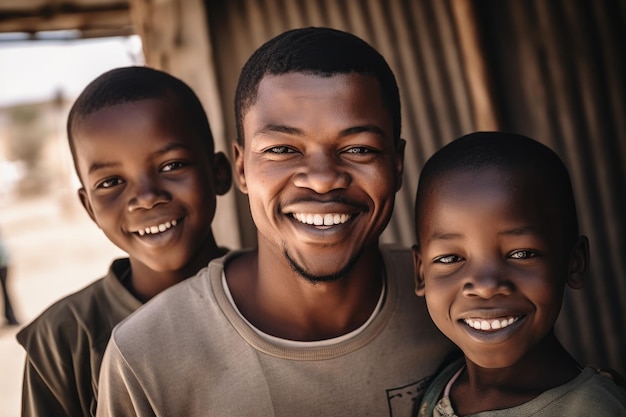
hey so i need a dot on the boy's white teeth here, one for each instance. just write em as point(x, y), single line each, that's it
point(156, 229)
point(493, 324)
point(328, 219)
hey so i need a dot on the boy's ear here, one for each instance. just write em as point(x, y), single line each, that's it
point(400, 163)
point(240, 175)
point(578, 263)
point(84, 200)
point(418, 271)
point(223, 173)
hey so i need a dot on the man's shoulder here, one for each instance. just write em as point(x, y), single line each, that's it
point(172, 308)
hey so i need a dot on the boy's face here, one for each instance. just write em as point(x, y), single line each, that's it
point(320, 167)
point(148, 181)
point(492, 262)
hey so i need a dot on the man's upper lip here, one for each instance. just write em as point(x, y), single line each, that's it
point(322, 207)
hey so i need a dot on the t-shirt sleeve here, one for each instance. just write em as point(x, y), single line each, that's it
point(119, 391)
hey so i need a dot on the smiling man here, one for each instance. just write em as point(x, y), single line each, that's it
point(319, 319)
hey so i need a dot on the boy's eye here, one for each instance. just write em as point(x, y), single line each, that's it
point(447, 259)
point(109, 182)
point(522, 254)
point(172, 166)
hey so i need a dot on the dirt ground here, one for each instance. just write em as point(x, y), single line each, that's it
point(55, 250)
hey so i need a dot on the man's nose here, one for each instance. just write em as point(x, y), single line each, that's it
point(322, 172)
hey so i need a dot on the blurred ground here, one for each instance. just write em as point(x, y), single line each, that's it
point(55, 249)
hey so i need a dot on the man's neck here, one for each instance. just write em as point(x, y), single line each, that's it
point(279, 302)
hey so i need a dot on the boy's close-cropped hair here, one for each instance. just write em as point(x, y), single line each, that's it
point(317, 51)
point(482, 150)
point(135, 83)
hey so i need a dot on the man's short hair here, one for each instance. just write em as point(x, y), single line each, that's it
point(317, 51)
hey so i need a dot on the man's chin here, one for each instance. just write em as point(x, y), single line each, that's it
point(319, 278)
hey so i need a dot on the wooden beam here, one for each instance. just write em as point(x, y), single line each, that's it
point(91, 21)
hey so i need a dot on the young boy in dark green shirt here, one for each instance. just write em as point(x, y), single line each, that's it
point(144, 153)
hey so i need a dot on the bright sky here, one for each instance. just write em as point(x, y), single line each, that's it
point(32, 71)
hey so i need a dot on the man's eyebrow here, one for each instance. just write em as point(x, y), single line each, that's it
point(288, 130)
point(272, 128)
point(363, 129)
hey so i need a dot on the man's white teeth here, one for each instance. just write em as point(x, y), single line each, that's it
point(494, 324)
point(321, 219)
point(157, 229)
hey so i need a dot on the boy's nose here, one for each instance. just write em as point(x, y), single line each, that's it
point(322, 173)
point(487, 282)
point(146, 195)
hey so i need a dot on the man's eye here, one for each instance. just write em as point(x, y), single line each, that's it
point(358, 150)
point(447, 259)
point(280, 150)
point(523, 254)
point(109, 182)
point(172, 166)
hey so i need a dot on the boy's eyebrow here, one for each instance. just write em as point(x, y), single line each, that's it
point(101, 165)
point(171, 147)
point(444, 236)
point(299, 132)
point(165, 149)
point(524, 230)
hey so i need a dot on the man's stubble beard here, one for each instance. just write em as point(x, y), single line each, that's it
point(319, 279)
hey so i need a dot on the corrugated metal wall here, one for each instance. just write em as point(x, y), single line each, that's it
point(558, 76)
point(554, 71)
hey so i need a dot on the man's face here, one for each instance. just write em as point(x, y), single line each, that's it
point(321, 169)
point(493, 262)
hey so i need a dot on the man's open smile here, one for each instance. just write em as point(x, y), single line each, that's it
point(316, 219)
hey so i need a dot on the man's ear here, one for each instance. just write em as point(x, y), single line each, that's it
point(578, 263)
point(240, 175)
point(418, 271)
point(84, 200)
point(223, 173)
point(400, 162)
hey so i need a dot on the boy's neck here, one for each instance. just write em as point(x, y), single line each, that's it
point(547, 366)
point(144, 282)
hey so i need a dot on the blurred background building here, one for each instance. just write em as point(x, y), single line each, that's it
point(552, 70)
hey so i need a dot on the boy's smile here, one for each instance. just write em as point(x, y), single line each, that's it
point(319, 166)
point(492, 262)
point(148, 182)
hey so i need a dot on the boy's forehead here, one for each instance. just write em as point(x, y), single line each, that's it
point(521, 188)
point(159, 107)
